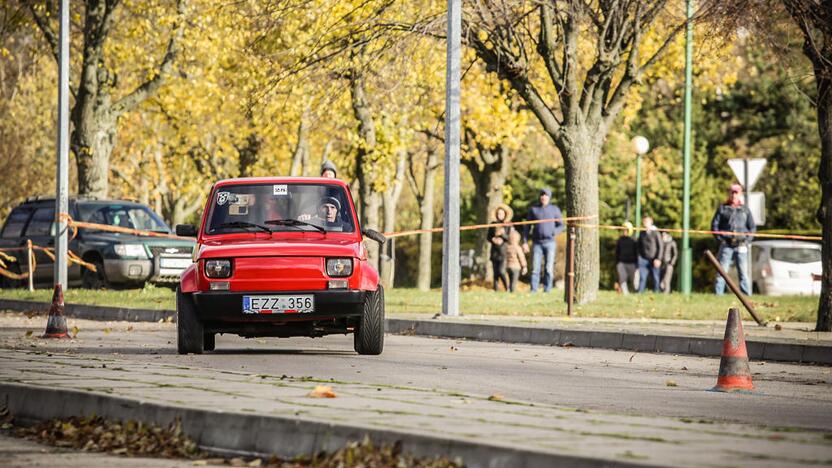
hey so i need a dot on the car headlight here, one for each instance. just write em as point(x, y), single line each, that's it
point(130, 250)
point(339, 266)
point(218, 268)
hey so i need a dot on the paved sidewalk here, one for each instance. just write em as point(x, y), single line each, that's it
point(268, 413)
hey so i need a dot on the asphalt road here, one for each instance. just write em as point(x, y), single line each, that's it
point(786, 395)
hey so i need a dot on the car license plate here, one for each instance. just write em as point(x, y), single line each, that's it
point(299, 304)
point(180, 263)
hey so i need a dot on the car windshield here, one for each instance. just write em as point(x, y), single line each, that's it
point(126, 216)
point(795, 255)
point(280, 208)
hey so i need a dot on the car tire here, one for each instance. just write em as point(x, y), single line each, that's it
point(190, 337)
point(369, 336)
point(209, 341)
point(94, 279)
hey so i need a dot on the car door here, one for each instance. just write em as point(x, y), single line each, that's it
point(40, 230)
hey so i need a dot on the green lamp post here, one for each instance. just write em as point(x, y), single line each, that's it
point(640, 146)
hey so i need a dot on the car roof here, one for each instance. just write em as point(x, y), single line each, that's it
point(42, 200)
point(786, 243)
point(281, 180)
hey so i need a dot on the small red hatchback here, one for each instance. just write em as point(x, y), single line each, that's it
point(279, 256)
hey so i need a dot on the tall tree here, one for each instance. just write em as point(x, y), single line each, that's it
point(574, 63)
point(99, 101)
point(814, 18)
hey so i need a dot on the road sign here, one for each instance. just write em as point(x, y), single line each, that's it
point(754, 168)
point(757, 206)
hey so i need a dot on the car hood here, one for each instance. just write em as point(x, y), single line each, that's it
point(119, 238)
point(280, 248)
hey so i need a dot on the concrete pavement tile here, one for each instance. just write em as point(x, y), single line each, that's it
point(705, 346)
point(782, 352)
point(673, 344)
point(609, 340)
point(817, 354)
point(644, 343)
point(573, 338)
point(543, 336)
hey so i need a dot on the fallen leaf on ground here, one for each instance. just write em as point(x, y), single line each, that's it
point(75, 331)
point(454, 348)
point(28, 333)
point(778, 327)
point(322, 391)
point(495, 397)
point(671, 383)
point(107, 330)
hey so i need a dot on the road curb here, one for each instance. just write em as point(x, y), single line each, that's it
point(649, 343)
point(759, 350)
point(92, 312)
point(266, 435)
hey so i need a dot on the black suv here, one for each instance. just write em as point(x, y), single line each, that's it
point(122, 259)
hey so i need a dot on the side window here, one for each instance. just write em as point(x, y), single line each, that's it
point(15, 223)
point(41, 223)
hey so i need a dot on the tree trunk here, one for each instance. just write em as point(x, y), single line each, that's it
point(370, 200)
point(489, 176)
point(824, 86)
point(426, 214)
point(581, 149)
point(387, 267)
point(301, 153)
point(249, 154)
point(92, 141)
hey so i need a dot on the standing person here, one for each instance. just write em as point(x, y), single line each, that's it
point(498, 238)
point(670, 253)
point(626, 259)
point(515, 259)
point(649, 255)
point(329, 170)
point(734, 216)
point(543, 239)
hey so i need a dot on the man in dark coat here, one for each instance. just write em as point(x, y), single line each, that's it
point(543, 239)
point(626, 258)
point(670, 253)
point(649, 255)
point(733, 216)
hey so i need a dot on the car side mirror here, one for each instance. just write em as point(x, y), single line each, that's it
point(374, 235)
point(186, 230)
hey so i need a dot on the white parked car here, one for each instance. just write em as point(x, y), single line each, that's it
point(782, 267)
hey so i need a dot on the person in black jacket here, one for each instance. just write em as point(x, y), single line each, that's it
point(649, 255)
point(626, 258)
point(733, 216)
point(498, 238)
point(670, 253)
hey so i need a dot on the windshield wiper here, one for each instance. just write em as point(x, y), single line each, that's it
point(243, 224)
point(293, 222)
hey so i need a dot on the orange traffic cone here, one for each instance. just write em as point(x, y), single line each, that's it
point(56, 322)
point(734, 374)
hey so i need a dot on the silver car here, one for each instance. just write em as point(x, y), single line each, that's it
point(781, 267)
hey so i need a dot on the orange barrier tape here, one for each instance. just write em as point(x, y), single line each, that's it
point(761, 235)
point(75, 225)
point(483, 226)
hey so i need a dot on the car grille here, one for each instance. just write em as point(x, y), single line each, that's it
point(162, 251)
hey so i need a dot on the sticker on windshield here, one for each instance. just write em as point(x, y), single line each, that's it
point(222, 198)
point(280, 189)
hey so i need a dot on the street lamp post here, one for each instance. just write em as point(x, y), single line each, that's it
point(640, 146)
point(687, 257)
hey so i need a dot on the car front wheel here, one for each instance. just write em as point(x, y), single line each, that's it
point(369, 336)
point(189, 333)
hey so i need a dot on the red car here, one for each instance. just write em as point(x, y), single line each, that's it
point(280, 257)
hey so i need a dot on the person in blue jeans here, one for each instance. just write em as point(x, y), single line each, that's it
point(543, 236)
point(733, 216)
point(649, 255)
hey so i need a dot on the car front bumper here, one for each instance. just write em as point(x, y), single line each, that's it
point(335, 312)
